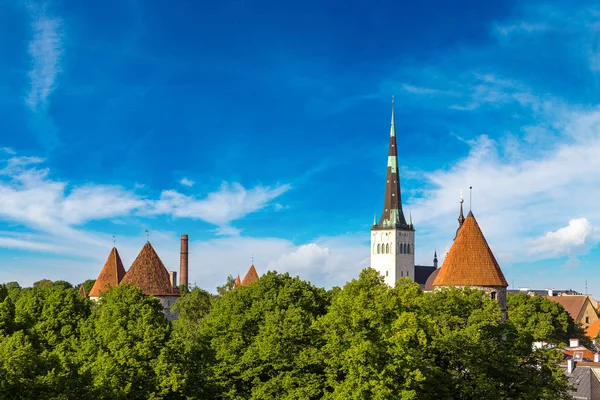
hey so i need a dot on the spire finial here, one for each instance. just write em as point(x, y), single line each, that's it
point(410, 218)
point(374, 218)
point(147, 235)
point(393, 126)
point(252, 259)
point(470, 196)
point(114, 241)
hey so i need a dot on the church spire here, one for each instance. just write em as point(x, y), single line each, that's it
point(392, 215)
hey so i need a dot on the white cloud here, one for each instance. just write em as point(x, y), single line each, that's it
point(31, 196)
point(229, 203)
point(570, 239)
point(46, 50)
point(187, 182)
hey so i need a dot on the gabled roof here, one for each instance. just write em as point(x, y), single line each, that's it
point(572, 304)
point(593, 329)
point(251, 276)
point(111, 274)
point(82, 291)
point(149, 274)
point(470, 261)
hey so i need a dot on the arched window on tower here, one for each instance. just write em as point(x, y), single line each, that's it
point(408, 249)
point(387, 248)
point(378, 248)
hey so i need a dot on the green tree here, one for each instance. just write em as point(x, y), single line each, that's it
point(227, 286)
point(121, 342)
point(63, 284)
point(367, 353)
point(183, 365)
point(42, 283)
point(263, 340)
point(543, 319)
point(476, 356)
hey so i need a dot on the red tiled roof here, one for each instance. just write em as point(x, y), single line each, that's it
point(593, 329)
point(572, 304)
point(470, 261)
point(149, 274)
point(251, 276)
point(111, 275)
point(238, 282)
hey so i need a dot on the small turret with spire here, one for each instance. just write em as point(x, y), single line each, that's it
point(435, 260)
point(461, 216)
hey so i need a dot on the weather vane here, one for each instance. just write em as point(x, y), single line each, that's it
point(461, 196)
point(147, 235)
point(114, 241)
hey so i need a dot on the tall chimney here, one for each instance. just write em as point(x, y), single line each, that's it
point(183, 262)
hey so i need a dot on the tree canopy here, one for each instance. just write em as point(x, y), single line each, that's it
point(280, 337)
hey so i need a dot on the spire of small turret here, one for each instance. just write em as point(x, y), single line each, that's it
point(374, 218)
point(435, 260)
point(410, 219)
point(461, 216)
point(392, 215)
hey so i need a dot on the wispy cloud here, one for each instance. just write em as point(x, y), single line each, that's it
point(31, 196)
point(187, 182)
point(46, 51)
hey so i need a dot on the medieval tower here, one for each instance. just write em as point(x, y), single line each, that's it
point(392, 239)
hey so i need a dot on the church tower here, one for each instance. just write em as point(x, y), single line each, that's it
point(392, 239)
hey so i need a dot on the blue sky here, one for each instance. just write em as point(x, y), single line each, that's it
point(260, 128)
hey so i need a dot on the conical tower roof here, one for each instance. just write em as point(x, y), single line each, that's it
point(251, 276)
point(470, 261)
point(149, 274)
point(238, 282)
point(111, 275)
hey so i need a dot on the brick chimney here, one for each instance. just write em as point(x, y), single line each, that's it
point(183, 261)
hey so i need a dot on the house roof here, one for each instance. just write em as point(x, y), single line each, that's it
point(251, 276)
point(111, 274)
point(82, 291)
point(572, 304)
point(593, 329)
point(238, 282)
point(470, 261)
point(149, 274)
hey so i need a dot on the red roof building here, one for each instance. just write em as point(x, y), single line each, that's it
point(470, 262)
point(149, 274)
point(111, 274)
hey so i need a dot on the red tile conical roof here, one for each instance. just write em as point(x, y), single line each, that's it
point(251, 276)
point(149, 274)
point(470, 261)
point(238, 282)
point(111, 275)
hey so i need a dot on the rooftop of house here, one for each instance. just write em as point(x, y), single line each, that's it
point(572, 304)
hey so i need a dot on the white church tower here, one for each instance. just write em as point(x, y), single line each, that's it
point(392, 239)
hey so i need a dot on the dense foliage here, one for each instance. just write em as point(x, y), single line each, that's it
point(280, 337)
